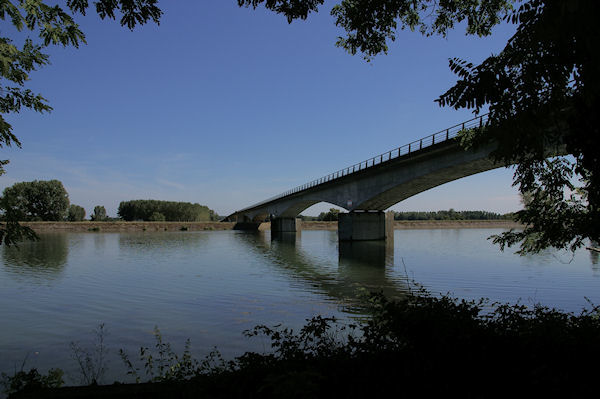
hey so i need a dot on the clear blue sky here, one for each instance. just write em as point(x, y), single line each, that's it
point(227, 106)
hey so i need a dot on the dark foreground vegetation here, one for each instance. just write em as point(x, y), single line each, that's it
point(419, 345)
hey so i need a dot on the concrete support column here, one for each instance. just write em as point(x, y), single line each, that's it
point(285, 225)
point(364, 226)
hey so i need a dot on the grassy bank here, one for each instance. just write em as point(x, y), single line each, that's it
point(47, 227)
point(420, 345)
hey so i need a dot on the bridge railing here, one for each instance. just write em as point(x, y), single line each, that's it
point(405, 150)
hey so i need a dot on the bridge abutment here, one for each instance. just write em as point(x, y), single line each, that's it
point(286, 225)
point(365, 226)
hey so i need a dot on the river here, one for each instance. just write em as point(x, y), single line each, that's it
point(210, 286)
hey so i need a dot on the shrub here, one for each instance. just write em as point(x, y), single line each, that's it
point(156, 217)
point(75, 213)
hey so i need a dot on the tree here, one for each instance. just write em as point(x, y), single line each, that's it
point(75, 213)
point(156, 217)
point(53, 25)
point(542, 91)
point(99, 214)
point(170, 211)
point(37, 200)
point(332, 215)
point(214, 216)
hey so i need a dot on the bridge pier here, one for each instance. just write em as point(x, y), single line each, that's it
point(365, 226)
point(286, 225)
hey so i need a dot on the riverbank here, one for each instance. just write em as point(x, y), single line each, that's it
point(111, 227)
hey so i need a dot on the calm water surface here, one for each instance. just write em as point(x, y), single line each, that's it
point(210, 286)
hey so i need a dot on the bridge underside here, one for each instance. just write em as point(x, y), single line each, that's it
point(367, 193)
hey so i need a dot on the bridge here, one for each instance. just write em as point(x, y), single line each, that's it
point(367, 188)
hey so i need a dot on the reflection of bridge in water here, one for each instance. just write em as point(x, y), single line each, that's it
point(362, 267)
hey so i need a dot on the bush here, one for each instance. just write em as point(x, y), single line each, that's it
point(75, 213)
point(99, 214)
point(32, 380)
point(419, 345)
point(157, 217)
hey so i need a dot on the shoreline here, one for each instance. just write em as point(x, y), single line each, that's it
point(115, 227)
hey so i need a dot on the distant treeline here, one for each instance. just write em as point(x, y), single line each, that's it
point(47, 200)
point(170, 211)
point(451, 214)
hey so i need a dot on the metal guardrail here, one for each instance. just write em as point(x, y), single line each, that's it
point(407, 149)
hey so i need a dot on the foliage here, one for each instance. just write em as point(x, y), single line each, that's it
point(75, 213)
point(157, 217)
point(332, 215)
point(99, 214)
point(171, 210)
point(370, 24)
point(32, 380)
point(419, 344)
point(163, 364)
point(53, 25)
point(11, 232)
point(38, 200)
point(214, 216)
point(542, 91)
point(30, 201)
point(92, 365)
point(451, 214)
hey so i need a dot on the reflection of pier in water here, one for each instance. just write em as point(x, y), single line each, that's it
point(362, 267)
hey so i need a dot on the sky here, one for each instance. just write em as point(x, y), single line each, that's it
point(227, 106)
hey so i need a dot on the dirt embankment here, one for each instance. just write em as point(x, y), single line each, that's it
point(46, 227)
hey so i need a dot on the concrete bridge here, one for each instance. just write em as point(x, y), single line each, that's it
point(367, 188)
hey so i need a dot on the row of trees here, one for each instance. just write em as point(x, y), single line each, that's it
point(47, 200)
point(153, 210)
point(451, 214)
point(42, 200)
